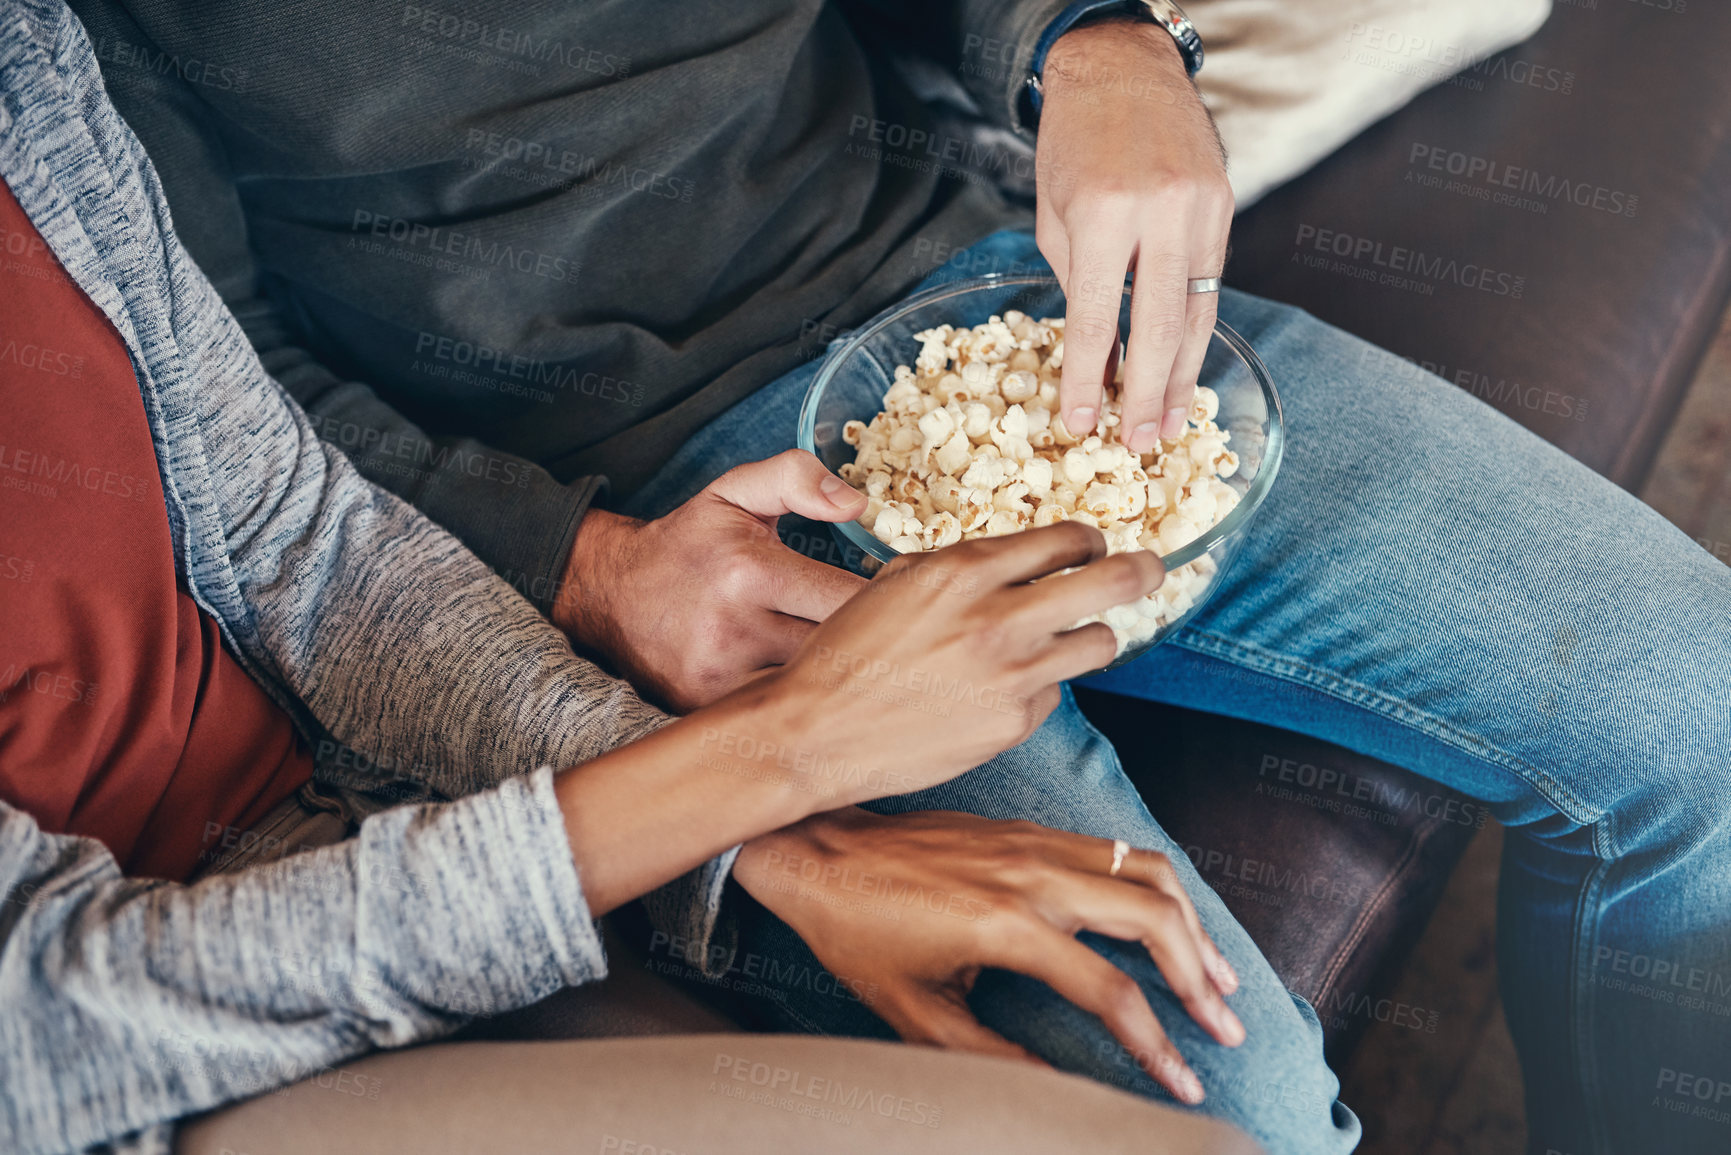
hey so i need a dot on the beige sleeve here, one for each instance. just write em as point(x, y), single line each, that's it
point(1290, 81)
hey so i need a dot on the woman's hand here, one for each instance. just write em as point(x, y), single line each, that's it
point(916, 904)
point(1130, 177)
point(948, 658)
point(942, 661)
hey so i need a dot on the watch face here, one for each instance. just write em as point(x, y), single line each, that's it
point(1171, 17)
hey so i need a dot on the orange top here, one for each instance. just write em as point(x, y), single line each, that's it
point(122, 717)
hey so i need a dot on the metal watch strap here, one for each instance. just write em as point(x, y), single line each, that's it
point(1162, 12)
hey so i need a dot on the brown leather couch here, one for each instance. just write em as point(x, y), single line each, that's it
point(1627, 268)
point(1619, 221)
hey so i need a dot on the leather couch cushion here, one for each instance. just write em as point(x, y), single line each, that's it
point(1551, 231)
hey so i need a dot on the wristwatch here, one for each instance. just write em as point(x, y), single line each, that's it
point(1162, 12)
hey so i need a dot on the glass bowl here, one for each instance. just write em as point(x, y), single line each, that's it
point(851, 382)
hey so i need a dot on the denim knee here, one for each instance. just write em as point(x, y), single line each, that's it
point(1275, 1086)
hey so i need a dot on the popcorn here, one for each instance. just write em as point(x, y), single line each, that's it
point(1101, 500)
point(975, 509)
point(902, 393)
point(888, 525)
point(1176, 531)
point(934, 357)
point(1021, 385)
point(1204, 407)
point(1078, 466)
point(1036, 474)
point(946, 494)
point(911, 488)
point(944, 528)
point(1009, 434)
point(1198, 506)
point(1156, 499)
point(1014, 498)
point(969, 444)
point(936, 428)
point(987, 473)
point(953, 458)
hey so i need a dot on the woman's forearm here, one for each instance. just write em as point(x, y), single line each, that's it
point(650, 811)
point(173, 999)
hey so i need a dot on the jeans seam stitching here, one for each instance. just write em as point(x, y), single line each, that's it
point(1581, 1040)
point(1582, 998)
point(1421, 835)
point(811, 1027)
point(1269, 663)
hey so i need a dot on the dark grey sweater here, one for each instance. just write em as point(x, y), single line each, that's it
point(499, 250)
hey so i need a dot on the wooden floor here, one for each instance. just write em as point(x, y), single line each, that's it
point(1458, 1091)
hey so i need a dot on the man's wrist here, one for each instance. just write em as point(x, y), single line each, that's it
point(600, 549)
point(1111, 27)
point(1074, 54)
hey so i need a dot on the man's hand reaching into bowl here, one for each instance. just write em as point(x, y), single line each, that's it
point(691, 605)
point(1130, 179)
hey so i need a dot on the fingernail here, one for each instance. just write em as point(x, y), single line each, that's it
point(839, 492)
point(1189, 1086)
point(1174, 423)
point(1228, 976)
point(1143, 437)
point(1081, 420)
point(1231, 1029)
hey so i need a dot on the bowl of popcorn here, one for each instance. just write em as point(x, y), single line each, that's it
point(943, 411)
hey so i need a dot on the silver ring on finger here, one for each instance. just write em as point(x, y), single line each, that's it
point(1120, 851)
point(1202, 285)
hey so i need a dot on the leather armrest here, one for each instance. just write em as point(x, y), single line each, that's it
point(1551, 229)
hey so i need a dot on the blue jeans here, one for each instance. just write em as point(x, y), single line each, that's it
point(1432, 585)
